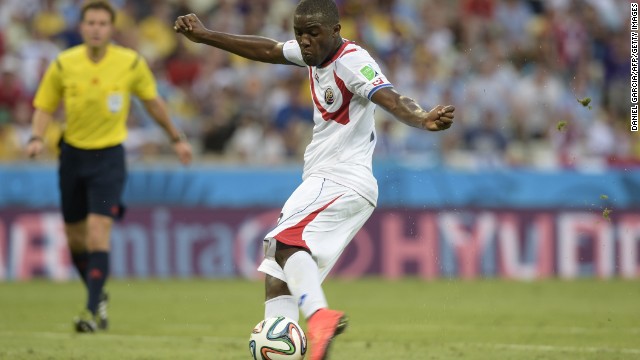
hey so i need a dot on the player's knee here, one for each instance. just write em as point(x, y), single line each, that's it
point(98, 232)
point(275, 287)
point(284, 251)
point(76, 235)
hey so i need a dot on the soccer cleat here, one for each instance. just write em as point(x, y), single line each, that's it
point(323, 326)
point(85, 323)
point(102, 317)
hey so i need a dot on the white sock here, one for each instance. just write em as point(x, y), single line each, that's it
point(304, 282)
point(284, 305)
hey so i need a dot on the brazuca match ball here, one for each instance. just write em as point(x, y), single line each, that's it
point(278, 338)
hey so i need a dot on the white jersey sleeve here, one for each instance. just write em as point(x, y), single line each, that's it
point(292, 52)
point(361, 74)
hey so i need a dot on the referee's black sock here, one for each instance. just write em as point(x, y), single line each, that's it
point(81, 261)
point(97, 273)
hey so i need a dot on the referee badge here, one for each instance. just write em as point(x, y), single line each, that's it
point(329, 97)
point(114, 102)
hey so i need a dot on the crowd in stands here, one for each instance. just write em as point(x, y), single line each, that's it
point(519, 72)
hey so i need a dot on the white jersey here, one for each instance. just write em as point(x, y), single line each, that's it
point(344, 132)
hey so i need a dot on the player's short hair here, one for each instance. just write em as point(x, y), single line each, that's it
point(327, 9)
point(98, 4)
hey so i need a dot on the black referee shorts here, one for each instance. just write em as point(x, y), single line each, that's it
point(91, 181)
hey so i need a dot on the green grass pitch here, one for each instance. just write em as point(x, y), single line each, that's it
point(408, 319)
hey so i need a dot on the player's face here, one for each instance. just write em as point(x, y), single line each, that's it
point(317, 41)
point(96, 28)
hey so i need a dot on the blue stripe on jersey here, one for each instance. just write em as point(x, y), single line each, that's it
point(373, 91)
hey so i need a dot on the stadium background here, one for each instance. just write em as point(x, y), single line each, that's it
point(531, 182)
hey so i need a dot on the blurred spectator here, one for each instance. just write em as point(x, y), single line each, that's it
point(489, 88)
point(70, 13)
point(273, 150)
point(143, 141)
point(157, 38)
point(478, 15)
point(35, 55)
point(603, 141)
point(12, 91)
point(617, 65)
point(388, 146)
point(438, 32)
point(245, 143)
point(226, 17)
point(183, 66)
point(48, 21)
point(297, 109)
point(486, 142)
point(220, 121)
point(536, 99)
point(15, 133)
point(514, 17)
point(570, 37)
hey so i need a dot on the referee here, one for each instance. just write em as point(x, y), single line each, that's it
point(95, 81)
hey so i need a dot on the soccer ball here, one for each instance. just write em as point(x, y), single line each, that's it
point(278, 338)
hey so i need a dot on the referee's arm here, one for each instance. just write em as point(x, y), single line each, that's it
point(158, 111)
point(39, 123)
point(45, 102)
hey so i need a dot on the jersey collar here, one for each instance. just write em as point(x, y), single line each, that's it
point(337, 54)
point(107, 53)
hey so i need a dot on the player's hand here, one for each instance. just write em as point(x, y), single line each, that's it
point(34, 147)
point(184, 152)
point(440, 118)
point(189, 26)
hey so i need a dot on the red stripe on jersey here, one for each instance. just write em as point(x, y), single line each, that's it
point(341, 116)
point(337, 54)
point(293, 235)
point(348, 51)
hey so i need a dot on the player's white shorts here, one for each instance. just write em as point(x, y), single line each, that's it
point(320, 215)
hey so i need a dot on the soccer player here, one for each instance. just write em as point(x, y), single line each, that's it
point(338, 192)
point(95, 81)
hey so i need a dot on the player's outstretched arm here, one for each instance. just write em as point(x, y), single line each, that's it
point(256, 48)
point(409, 112)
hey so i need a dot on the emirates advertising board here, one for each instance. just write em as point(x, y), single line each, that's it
point(186, 242)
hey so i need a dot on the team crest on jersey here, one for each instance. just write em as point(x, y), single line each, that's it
point(329, 96)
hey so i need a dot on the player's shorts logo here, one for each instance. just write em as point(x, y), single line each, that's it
point(329, 97)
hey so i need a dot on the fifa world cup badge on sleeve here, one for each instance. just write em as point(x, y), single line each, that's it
point(368, 72)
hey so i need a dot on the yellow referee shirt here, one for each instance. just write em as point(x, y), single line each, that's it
point(96, 95)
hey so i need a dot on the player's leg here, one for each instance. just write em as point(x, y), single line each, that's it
point(77, 240)
point(73, 199)
point(318, 222)
point(98, 245)
point(326, 237)
point(95, 232)
point(278, 299)
point(322, 227)
point(305, 283)
point(303, 277)
point(105, 188)
point(74, 206)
